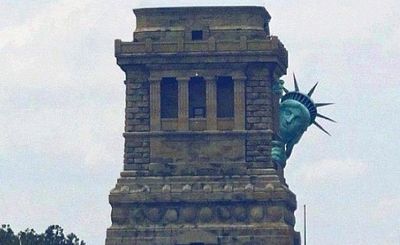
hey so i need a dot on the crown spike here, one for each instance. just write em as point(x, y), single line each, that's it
point(324, 117)
point(312, 90)
point(285, 90)
point(323, 104)
point(296, 86)
point(320, 127)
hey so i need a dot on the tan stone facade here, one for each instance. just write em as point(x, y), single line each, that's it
point(200, 117)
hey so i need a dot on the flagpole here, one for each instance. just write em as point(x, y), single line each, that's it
point(305, 225)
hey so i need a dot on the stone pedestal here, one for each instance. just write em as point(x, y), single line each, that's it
point(201, 180)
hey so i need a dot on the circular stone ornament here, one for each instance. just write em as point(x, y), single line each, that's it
point(187, 188)
point(228, 188)
point(269, 187)
point(137, 215)
point(274, 214)
point(205, 214)
point(257, 213)
point(125, 189)
point(240, 213)
point(249, 188)
point(119, 216)
point(207, 188)
point(153, 214)
point(223, 213)
point(171, 215)
point(166, 188)
point(188, 214)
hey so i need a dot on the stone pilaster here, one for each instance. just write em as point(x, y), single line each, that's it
point(155, 120)
point(137, 101)
point(183, 103)
point(211, 102)
point(258, 98)
point(239, 90)
point(137, 119)
point(259, 115)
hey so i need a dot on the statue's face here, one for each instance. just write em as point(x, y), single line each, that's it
point(294, 119)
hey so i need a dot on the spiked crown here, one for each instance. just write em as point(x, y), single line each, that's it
point(305, 99)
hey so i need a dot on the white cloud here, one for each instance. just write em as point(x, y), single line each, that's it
point(386, 208)
point(61, 93)
point(332, 170)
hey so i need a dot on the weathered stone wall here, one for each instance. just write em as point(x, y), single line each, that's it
point(137, 100)
point(200, 148)
point(170, 24)
point(258, 99)
point(137, 153)
point(259, 115)
point(137, 118)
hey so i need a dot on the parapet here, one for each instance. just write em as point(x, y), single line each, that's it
point(201, 23)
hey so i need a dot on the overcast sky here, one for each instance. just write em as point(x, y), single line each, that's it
point(62, 105)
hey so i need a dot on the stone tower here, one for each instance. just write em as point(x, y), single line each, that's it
point(200, 117)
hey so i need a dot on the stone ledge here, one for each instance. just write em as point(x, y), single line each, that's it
point(191, 133)
point(142, 198)
point(272, 44)
point(269, 233)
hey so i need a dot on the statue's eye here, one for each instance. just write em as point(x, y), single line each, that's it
point(287, 113)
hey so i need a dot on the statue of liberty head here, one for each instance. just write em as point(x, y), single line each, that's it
point(297, 111)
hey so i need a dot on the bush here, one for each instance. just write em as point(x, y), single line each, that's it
point(54, 235)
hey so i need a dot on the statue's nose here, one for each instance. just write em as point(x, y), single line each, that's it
point(289, 118)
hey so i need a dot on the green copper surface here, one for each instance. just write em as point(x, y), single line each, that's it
point(297, 112)
point(294, 119)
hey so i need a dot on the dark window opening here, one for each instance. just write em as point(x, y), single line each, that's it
point(197, 35)
point(169, 98)
point(197, 98)
point(225, 97)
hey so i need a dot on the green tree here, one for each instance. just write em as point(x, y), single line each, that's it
point(54, 235)
point(7, 236)
point(29, 237)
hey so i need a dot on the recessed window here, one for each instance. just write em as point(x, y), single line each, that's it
point(197, 35)
point(225, 97)
point(197, 97)
point(169, 98)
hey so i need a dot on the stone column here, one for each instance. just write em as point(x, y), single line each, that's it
point(183, 103)
point(259, 116)
point(239, 102)
point(155, 120)
point(211, 103)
